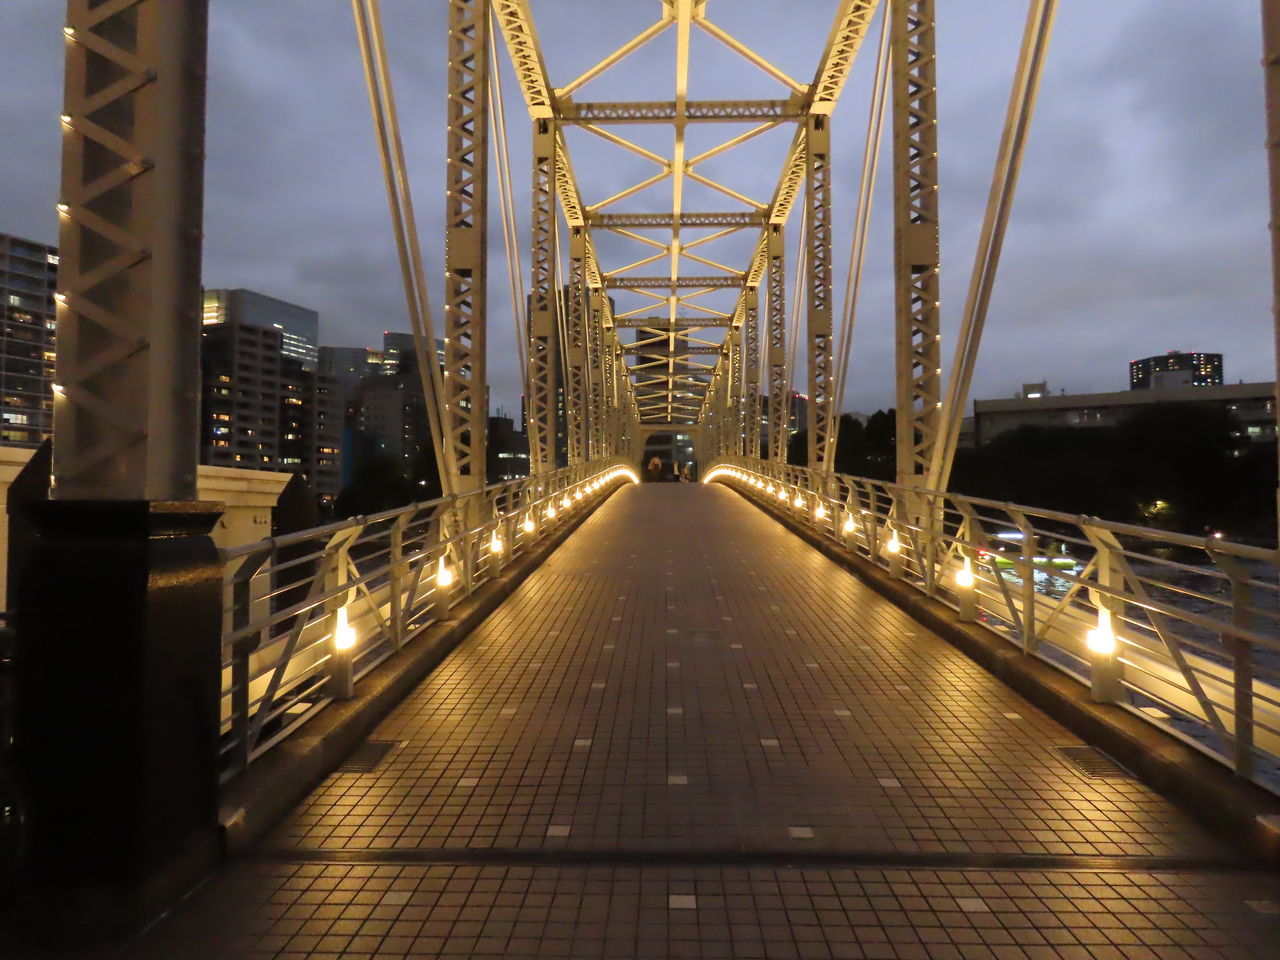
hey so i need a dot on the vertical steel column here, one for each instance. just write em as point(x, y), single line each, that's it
point(821, 381)
point(1271, 68)
point(577, 415)
point(751, 396)
point(608, 408)
point(466, 241)
point(595, 382)
point(127, 395)
point(733, 398)
point(540, 404)
point(915, 209)
point(778, 387)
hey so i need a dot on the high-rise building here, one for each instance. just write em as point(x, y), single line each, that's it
point(28, 277)
point(299, 327)
point(348, 366)
point(1175, 369)
point(263, 409)
point(508, 450)
point(393, 411)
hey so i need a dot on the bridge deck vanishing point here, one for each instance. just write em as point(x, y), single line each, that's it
point(688, 734)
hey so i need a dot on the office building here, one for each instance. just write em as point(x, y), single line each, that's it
point(393, 412)
point(508, 451)
point(1251, 404)
point(1174, 369)
point(28, 277)
point(347, 366)
point(264, 409)
point(299, 327)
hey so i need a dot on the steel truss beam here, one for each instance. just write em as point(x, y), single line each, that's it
point(665, 111)
point(665, 221)
point(577, 413)
point(821, 395)
point(751, 391)
point(915, 209)
point(540, 395)
point(681, 323)
point(126, 401)
point(466, 242)
point(662, 283)
point(779, 384)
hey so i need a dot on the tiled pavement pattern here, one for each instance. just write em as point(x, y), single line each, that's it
point(690, 735)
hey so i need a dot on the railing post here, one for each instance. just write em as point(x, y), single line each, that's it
point(966, 580)
point(1104, 667)
point(397, 573)
point(341, 684)
point(894, 544)
point(1241, 651)
point(1027, 570)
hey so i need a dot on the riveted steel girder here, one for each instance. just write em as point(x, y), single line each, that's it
point(129, 301)
point(542, 360)
point(915, 246)
point(466, 242)
point(666, 111)
point(779, 385)
point(818, 283)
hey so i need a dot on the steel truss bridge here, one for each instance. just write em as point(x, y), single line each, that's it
point(1177, 632)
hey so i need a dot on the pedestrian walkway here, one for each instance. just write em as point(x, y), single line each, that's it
point(689, 734)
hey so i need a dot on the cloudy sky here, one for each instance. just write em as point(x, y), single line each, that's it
point(1139, 227)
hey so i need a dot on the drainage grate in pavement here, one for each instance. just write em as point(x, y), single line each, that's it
point(1095, 764)
point(366, 757)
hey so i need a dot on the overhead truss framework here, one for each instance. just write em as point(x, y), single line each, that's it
point(676, 377)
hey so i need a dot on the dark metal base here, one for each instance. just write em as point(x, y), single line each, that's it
point(118, 623)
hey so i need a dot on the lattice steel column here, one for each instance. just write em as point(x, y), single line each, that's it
point(129, 304)
point(466, 244)
point(818, 195)
point(540, 402)
point(577, 418)
point(608, 408)
point(777, 346)
point(915, 196)
point(595, 382)
point(733, 401)
point(751, 400)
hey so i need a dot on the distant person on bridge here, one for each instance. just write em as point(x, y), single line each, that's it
point(653, 472)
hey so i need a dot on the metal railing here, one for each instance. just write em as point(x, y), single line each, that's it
point(1183, 632)
point(307, 615)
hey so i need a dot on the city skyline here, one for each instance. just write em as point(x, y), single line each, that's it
point(1139, 222)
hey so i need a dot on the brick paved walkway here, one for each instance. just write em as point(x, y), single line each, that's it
point(690, 735)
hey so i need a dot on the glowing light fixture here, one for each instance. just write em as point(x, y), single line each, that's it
point(819, 512)
point(69, 31)
point(964, 576)
point(847, 527)
point(1100, 639)
point(551, 511)
point(344, 635)
point(528, 526)
point(444, 576)
point(894, 545)
point(798, 501)
point(495, 543)
point(63, 209)
point(566, 503)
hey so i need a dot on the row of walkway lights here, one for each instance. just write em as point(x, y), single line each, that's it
point(344, 638)
point(1100, 641)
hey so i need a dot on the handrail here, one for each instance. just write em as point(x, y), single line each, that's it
point(308, 614)
point(1154, 640)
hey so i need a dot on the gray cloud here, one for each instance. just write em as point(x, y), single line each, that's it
point(1140, 224)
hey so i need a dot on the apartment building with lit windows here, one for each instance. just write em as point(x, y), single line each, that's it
point(28, 277)
point(262, 407)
